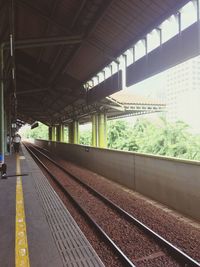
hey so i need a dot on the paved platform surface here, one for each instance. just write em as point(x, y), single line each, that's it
point(54, 238)
point(7, 216)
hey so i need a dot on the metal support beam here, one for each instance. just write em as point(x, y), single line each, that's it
point(2, 138)
point(48, 41)
point(37, 90)
point(70, 133)
point(94, 130)
point(63, 133)
point(58, 133)
point(8, 129)
point(38, 12)
point(102, 132)
point(50, 133)
point(5, 132)
point(53, 9)
point(75, 132)
point(53, 133)
point(197, 7)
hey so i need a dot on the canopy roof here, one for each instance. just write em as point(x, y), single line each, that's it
point(60, 44)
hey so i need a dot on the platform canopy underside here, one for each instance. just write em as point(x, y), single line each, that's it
point(60, 44)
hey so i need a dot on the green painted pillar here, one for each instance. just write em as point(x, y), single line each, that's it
point(53, 133)
point(94, 130)
point(62, 133)
point(75, 132)
point(5, 131)
point(8, 129)
point(102, 134)
point(105, 130)
point(58, 133)
point(70, 133)
point(50, 133)
point(2, 137)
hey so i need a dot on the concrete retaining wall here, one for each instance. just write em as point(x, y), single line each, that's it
point(173, 182)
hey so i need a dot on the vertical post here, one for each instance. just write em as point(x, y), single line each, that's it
point(94, 130)
point(105, 130)
point(53, 133)
point(102, 135)
point(198, 9)
point(50, 133)
point(145, 45)
point(2, 139)
point(178, 21)
point(58, 132)
point(70, 133)
point(62, 133)
point(6, 150)
point(75, 132)
point(9, 126)
point(159, 31)
point(133, 53)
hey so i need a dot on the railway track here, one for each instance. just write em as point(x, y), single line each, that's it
point(167, 249)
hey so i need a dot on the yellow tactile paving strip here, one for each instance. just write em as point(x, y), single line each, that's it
point(21, 244)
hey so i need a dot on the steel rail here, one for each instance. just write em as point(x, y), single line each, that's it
point(116, 249)
point(178, 254)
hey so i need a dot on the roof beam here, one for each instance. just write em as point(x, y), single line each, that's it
point(30, 63)
point(104, 6)
point(44, 16)
point(54, 6)
point(71, 27)
point(37, 90)
point(24, 78)
point(78, 13)
point(90, 30)
point(3, 5)
point(41, 42)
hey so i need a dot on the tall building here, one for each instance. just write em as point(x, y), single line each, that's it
point(183, 93)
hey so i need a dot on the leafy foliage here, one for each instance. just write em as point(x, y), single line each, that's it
point(85, 138)
point(41, 132)
point(164, 138)
point(160, 138)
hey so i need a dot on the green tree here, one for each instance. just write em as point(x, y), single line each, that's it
point(85, 137)
point(41, 132)
point(161, 138)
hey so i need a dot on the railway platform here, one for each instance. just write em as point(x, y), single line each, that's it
point(36, 228)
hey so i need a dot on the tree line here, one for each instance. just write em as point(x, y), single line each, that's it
point(160, 138)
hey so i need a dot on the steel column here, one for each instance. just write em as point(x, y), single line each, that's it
point(70, 133)
point(50, 133)
point(105, 130)
point(58, 133)
point(102, 135)
point(62, 133)
point(9, 128)
point(94, 130)
point(53, 133)
point(5, 131)
point(2, 138)
point(75, 132)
